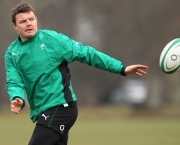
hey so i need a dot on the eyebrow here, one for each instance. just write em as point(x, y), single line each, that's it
point(27, 18)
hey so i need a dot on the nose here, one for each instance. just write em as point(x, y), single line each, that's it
point(28, 22)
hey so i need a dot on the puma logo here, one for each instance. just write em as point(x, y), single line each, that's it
point(45, 116)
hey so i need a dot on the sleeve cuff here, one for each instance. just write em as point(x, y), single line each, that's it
point(122, 72)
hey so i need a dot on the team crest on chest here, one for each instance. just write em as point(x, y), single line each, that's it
point(42, 46)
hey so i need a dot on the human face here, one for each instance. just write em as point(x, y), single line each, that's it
point(26, 25)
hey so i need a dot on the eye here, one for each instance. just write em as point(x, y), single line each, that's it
point(22, 21)
point(31, 19)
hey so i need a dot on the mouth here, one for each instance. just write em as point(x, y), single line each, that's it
point(28, 30)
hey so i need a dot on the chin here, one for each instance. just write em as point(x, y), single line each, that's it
point(30, 35)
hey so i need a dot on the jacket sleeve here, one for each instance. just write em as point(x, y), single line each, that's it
point(75, 51)
point(14, 83)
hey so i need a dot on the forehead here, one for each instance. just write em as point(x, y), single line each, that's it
point(22, 16)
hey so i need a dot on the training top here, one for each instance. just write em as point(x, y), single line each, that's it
point(38, 68)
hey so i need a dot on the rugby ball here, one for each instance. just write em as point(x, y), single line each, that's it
point(170, 57)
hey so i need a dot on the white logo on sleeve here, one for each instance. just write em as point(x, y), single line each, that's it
point(42, 46)
point(15, 53)
point(77, 43)
point(45, 116)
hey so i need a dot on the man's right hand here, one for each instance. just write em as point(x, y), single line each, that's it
point(16, 105)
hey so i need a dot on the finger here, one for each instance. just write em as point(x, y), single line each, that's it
point(142, 66)
point(141, 71)
point(138, 74)
point(14, 111)
point(12, 106)
point(19, 101)
point(13, 102)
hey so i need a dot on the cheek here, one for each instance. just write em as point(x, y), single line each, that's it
point(15, 28)
point(35, 28)
point(35, 25)
point(18, 30)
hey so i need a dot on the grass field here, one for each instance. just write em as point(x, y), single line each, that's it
point(99, 126)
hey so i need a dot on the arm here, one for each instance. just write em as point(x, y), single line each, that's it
point(85, 54)
point(14, 85)
point(75, 51)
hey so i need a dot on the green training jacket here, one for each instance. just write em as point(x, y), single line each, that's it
point(39, 69)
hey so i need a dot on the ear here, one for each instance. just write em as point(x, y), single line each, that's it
point(14, 26)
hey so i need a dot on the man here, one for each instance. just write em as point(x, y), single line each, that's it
point(37, 64)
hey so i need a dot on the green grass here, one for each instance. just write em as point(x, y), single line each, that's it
point(99, 126)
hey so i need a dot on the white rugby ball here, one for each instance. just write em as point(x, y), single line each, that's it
point(170, 57)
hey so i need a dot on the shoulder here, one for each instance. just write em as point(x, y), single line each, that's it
point(53, 34)
point(13, 45)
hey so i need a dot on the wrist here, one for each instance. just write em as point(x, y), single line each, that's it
point(122, 72)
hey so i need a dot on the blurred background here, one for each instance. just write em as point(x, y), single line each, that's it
point(112, 108)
